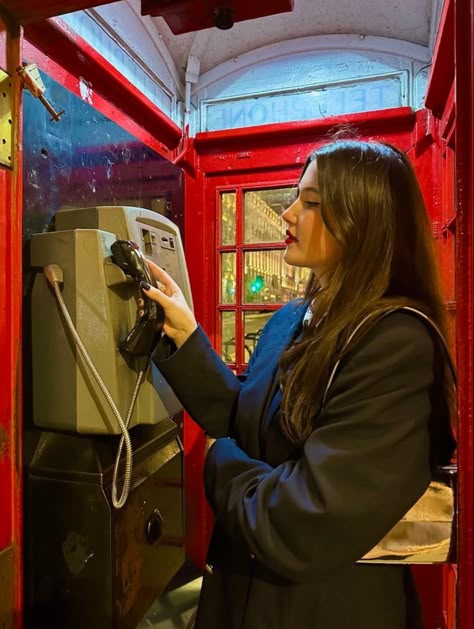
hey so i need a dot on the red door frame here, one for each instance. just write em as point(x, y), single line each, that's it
point(464, 101)
point(10, 348)
point(450, 97)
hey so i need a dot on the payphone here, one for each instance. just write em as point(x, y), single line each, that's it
point(97, 559)
point(102, 299)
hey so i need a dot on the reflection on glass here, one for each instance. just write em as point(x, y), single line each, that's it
point(228, 336)
point(228, 270)
point(268, 279)
point(253, 326)
point(228, 205)
point(161, 205)
point(262, 214)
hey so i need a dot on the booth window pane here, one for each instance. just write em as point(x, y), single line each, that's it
point(254, 320)
point(228, 274)
point(269, 280)
point(262, 214)
point(228, 210)
point(228, 336)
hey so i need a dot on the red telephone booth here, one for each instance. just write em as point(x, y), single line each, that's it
point(226, 173)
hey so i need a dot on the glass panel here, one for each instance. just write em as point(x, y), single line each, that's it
point(253, 326)
point(228, 271)
point(228, 336)
point(228, 205)
point(262, 214)
point(369, 93)
point(268, 279)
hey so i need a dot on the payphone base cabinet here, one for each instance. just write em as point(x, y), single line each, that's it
point(88, 565)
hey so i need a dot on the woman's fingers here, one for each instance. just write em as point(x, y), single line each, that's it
point(155, 293)
point(179, 321)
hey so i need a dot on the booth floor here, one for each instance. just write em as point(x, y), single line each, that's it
point(176, 607)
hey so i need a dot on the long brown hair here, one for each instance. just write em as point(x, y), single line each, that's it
point(372, 204)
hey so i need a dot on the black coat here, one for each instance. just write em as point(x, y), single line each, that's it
point(292, 523)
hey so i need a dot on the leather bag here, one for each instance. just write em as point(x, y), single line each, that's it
point(427, 533)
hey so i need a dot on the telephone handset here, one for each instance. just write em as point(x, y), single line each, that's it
point(141, 338)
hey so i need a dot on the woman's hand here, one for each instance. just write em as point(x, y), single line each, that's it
point(179, 319)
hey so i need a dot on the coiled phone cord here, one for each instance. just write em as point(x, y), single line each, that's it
point(118, 503)
point(54, 275)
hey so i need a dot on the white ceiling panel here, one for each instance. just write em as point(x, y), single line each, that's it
point(408, 20)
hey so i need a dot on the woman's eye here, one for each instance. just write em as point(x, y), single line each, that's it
point(312, 203)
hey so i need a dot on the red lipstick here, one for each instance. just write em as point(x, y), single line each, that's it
point(290, 238)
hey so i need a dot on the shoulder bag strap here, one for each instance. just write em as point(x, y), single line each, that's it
point(420, 314)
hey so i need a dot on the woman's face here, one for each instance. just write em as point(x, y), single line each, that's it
point(309, 243)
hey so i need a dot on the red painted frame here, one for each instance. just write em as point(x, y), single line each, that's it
point(464, 138)
point(450, 96)
point(10, 332)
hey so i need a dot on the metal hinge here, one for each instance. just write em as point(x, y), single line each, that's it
point(6, 121)
point(31, 78)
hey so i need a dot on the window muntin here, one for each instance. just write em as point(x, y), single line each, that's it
point(254, 280)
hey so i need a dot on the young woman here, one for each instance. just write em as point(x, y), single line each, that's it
point(302, 490)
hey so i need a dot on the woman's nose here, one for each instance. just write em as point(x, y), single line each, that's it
point(288, 215)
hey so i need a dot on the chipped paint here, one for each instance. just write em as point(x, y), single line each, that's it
point(85, 90)
point(108, 168)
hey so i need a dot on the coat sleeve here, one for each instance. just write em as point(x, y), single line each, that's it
point(203, 383)
point(364, 465)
